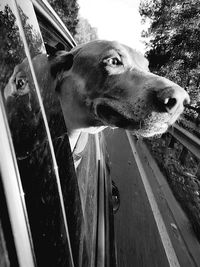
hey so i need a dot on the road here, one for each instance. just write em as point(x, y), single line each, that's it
point(146, 231)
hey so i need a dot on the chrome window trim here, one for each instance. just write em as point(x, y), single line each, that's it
point(14, 195)
point(100, 249)
point(47, 11)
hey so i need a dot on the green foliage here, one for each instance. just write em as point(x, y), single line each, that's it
point(79, 27)
point(174, 33)
point(67, 10)
point(85, 32)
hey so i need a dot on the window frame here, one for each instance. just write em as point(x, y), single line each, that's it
point(44, 9)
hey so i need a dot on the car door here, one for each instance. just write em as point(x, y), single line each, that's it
point(64, 215)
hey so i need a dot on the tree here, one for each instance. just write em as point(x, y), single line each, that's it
point(67, 10)
point(85, 32)
point(12, 48)
point(173, 50)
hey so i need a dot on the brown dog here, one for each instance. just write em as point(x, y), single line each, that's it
point(104, 83)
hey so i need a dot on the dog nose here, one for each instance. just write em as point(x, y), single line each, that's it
point(169, 99)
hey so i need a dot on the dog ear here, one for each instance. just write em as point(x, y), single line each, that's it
point(63, 61)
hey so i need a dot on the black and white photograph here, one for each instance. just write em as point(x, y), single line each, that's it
point(99, 133)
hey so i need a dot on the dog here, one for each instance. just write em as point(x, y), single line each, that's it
point(105, 83)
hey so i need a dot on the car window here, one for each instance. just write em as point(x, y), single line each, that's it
point(50, 35)
point(60, 202)
point(40, 142)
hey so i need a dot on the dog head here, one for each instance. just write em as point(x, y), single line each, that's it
point(105, 83)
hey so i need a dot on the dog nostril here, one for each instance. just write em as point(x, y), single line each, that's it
point(170, 98)
point(170, 103)
point(164, 103)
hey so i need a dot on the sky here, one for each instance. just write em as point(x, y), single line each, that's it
point(117, 20)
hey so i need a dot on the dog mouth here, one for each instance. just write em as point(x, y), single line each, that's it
point(150, 125)
point(112, 117)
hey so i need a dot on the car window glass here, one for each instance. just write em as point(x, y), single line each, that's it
point(85, 161)
point(31, 144)
point(50, 36)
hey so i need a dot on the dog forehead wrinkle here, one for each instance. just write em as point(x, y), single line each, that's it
point(99, 48)
point(93, 49)
point(85, 64)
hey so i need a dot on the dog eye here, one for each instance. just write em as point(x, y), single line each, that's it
point(20, 84)
point(114, 61)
